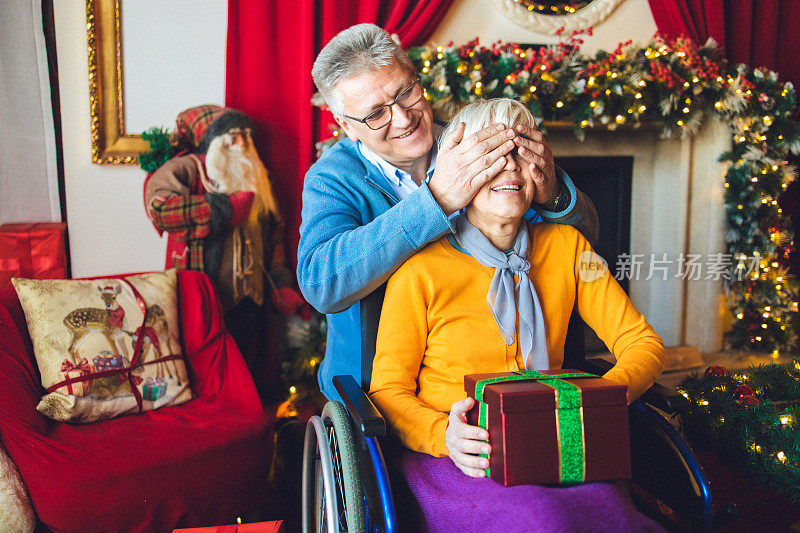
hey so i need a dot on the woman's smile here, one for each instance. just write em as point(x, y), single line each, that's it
point(512, 186)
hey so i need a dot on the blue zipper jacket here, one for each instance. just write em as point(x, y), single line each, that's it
point(355, 233)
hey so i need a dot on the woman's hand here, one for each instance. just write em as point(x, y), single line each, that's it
point(465, 442)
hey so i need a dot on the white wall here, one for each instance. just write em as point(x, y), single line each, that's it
point(109, 232)
point(171, 66)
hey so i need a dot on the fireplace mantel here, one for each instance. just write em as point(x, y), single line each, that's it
point(676, 208)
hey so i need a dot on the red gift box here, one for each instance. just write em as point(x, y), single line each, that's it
point(32, 250)
point(536, 443)
point(256, 527)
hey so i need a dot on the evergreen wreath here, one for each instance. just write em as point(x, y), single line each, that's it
point(676, 84)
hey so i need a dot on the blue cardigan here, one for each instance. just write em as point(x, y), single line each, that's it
point(354, 234)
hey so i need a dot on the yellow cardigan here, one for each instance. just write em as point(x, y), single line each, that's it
point(436, 327)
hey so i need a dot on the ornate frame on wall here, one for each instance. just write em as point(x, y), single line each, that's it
point(110, 143)
point(592, 14)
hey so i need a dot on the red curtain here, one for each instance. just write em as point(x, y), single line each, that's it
point(271, 48)
point(759, 33)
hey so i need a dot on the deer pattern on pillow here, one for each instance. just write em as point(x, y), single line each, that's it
point(90, 364)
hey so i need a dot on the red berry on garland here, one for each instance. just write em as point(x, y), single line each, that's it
point(717, 371)
point(742, 391)
point(748, 401)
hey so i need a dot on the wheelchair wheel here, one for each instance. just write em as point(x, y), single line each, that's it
point(332, 495)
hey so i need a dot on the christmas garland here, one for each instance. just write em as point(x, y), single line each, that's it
point(676, 84)
point(751, 418)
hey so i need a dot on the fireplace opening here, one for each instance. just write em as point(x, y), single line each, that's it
point(607, 182)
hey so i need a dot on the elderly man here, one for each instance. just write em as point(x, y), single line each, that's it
point(380, 195)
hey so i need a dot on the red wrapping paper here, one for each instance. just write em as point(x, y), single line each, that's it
point(34, 250)
point(522, 429)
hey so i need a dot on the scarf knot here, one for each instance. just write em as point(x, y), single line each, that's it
point(518, 265)
point(506, 299)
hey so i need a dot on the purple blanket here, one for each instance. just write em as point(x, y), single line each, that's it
point(451, 501)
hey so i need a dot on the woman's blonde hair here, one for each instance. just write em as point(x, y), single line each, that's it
point(482, 113)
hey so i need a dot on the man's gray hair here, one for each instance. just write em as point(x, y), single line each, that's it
point(356, 50)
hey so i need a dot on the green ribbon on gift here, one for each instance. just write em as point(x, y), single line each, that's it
point(569, 418)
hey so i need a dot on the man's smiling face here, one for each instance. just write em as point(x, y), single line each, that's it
point(407, 140)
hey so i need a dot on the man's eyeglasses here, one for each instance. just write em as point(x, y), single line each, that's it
point(379, 118)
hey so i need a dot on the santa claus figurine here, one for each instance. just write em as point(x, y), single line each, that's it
point(215, 201)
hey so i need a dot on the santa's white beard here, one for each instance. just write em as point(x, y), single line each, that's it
point(235, 168)
point(232, 168)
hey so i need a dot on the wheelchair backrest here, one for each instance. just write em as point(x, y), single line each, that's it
point(370, 316)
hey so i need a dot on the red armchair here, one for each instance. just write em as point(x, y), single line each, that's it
point(201, 463)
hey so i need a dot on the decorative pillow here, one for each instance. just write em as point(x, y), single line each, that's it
point(99, 354)
point(16, 513)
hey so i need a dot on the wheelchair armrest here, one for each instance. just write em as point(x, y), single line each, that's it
point(668, 400)
point(364, 413)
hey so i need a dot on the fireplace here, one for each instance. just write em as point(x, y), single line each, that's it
point(671, 206)
point(607, 182)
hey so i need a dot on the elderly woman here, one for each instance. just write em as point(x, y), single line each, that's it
point(496, 296)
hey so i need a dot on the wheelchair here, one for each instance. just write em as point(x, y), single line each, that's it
point(345, 484)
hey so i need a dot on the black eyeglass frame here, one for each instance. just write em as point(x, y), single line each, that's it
point(404, 91)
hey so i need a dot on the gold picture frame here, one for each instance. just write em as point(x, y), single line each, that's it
point(110, 144)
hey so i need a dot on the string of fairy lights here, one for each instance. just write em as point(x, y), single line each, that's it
point(751, 418)
point(553, 8)
point(677, 85)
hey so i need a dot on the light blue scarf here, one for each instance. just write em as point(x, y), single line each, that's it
point(504, 298)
